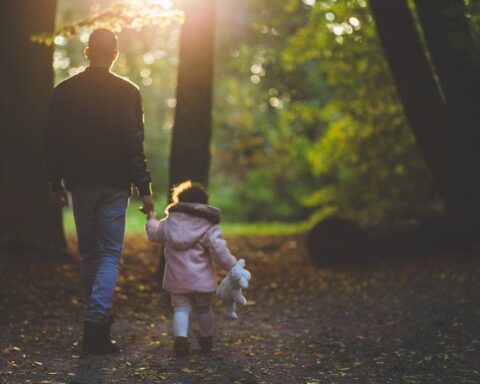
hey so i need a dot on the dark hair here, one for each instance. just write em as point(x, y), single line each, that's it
point(102, 42)
point(189, 192)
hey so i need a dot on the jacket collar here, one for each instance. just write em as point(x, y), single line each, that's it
point(204, 211)
point(97, 69)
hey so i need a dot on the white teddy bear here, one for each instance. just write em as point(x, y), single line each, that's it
point(230, 289)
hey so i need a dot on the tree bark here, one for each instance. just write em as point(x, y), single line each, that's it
point(190, 148)
point(417, 89)
point(450, 43)
point(28, 218)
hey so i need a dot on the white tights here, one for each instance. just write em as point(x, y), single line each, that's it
point(181, 316)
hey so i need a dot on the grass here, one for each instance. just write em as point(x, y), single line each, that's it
point(136, 221)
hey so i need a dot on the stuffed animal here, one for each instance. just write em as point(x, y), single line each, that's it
point(230, 289)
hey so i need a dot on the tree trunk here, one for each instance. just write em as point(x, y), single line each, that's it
point(450, 42)
point(417, 89)
point(190, 149)
point(28, 218)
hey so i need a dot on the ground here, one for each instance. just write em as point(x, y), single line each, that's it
point(408, 321)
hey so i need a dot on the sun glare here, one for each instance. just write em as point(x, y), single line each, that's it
point(167, 4)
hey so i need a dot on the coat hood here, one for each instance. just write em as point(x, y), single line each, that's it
point(188, 222)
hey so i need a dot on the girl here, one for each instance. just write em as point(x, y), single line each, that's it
point(192, 239)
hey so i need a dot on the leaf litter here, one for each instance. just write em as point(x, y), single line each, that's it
point(410, 321)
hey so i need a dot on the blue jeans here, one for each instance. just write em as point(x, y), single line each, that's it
point(100, 220)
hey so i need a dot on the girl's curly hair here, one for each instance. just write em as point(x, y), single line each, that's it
point(189, 192)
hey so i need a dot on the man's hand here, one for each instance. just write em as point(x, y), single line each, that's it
point(147, 204)
point(60, 198)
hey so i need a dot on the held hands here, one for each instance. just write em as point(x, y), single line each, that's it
point(147, 206)
point(60, 198)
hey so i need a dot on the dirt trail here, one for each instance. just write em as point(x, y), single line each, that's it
point(394, 322)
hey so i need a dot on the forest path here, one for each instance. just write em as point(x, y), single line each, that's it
point(410, 321)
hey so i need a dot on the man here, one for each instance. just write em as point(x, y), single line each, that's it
point(95, 145)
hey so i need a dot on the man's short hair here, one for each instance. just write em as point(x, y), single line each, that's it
point(102, 42)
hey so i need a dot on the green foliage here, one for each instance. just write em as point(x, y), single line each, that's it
point(306, 117)
point(260, 171)
point(367, 159)
point(305, 102)
point(119, 16)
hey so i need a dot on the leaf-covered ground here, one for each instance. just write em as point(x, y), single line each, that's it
point(411, 321)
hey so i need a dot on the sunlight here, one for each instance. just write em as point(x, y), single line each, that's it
point(164, 3)
point(167, 4)
point(118, 16)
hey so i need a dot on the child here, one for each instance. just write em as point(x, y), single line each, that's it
point(192, 239)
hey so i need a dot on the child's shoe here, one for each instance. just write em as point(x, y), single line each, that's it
point(181, 346)
point(206, 343)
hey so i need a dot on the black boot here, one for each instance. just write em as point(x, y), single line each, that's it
point(96, 339)
point(206, 343)
point(181, 346)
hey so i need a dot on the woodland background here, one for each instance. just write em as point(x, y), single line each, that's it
point(351, 108)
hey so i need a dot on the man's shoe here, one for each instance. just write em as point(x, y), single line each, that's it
point(96, 339)
point(181, 346)
point(206, 343)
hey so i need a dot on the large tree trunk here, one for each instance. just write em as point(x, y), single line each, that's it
point(190, 150)
point(450, 43)
point(418, 91)
point(28, 218)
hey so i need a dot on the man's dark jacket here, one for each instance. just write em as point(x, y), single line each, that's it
point(95, 133)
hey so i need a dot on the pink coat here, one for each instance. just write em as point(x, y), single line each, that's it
point(193, 243)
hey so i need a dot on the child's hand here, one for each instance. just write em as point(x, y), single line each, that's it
point(151, 215)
